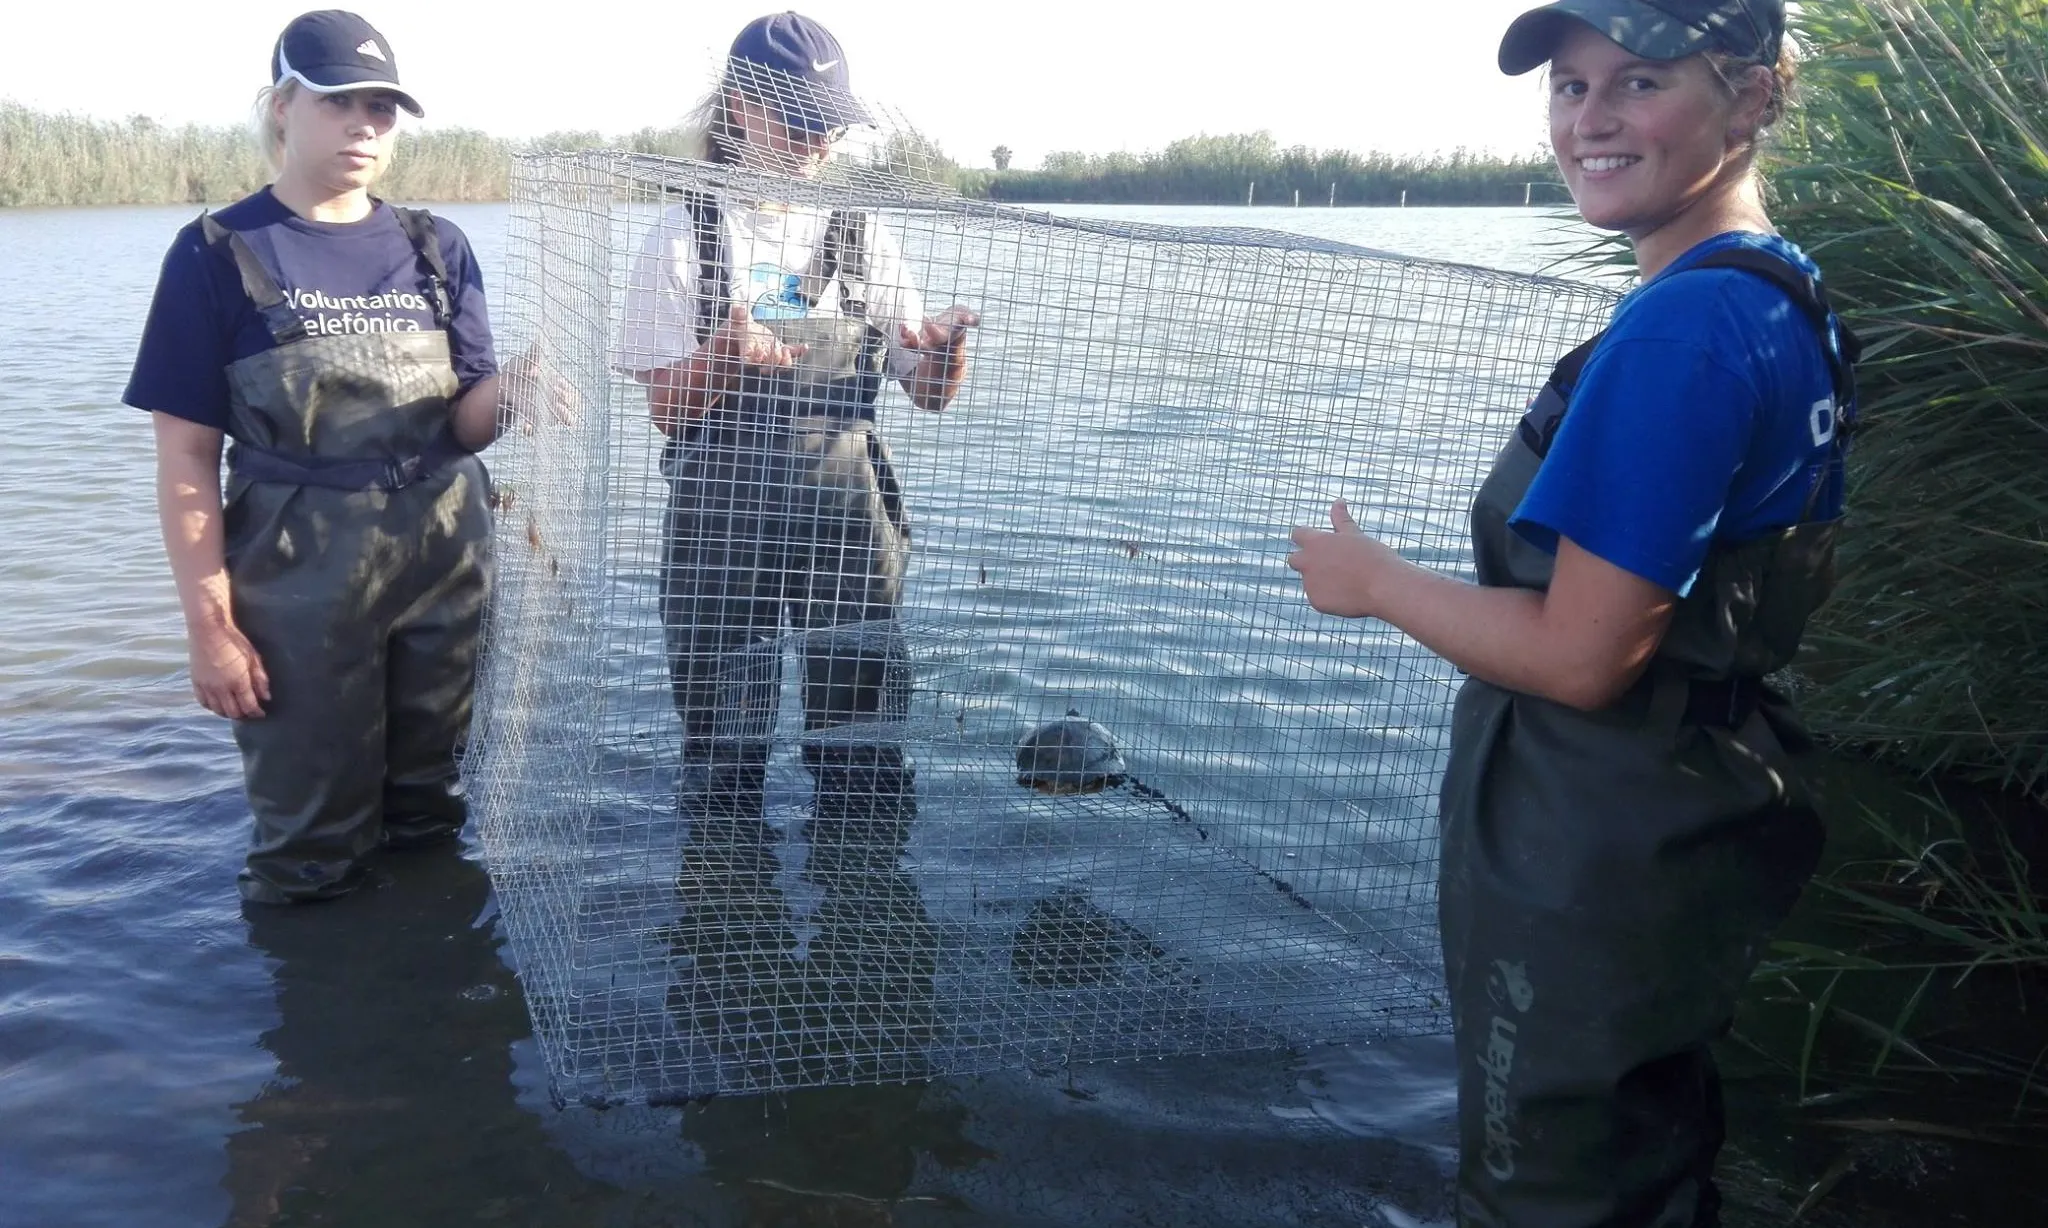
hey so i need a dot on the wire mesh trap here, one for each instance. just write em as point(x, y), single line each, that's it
point(754, 766)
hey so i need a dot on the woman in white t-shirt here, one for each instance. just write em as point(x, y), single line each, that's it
point(764, 333)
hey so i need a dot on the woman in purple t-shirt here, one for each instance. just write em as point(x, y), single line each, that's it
point(332, 598)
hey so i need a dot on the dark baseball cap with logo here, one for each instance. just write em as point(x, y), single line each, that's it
point(332, 50)
point(795, 65)
point(1752, 30)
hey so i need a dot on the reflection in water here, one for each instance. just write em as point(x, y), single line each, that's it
point(843, 994)
point(1066, 941)
point(393, 1061)
point(849, 998)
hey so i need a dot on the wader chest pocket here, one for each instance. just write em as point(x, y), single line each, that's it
point(835, 346)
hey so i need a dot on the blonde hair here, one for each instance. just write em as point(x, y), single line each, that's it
point(1729, 70)
point(268, 130)
point(265, 126)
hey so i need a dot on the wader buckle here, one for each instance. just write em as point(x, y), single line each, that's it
point(1725, 703)
point(400, 474)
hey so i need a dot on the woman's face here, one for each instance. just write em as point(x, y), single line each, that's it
point(1641, 141)
point(340, 141)
point(767, 139)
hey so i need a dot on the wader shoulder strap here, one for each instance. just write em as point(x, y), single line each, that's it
point(1812, 301)
point(285, 324)
point(846, 258)
point(1538, 428)
point(714, 275)
point(1806, 293)
point(418, 226)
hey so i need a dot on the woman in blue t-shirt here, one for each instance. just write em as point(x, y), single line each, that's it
point(1623, 823)
point(332, 598)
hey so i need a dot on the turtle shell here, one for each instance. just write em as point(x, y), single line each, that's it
point(1070, 755)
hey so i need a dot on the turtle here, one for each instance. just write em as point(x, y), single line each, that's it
point(1070, 755)
point(1074, 755)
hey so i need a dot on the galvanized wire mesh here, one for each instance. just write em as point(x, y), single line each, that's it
point(806, 889)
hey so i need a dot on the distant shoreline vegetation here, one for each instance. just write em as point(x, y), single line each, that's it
point(58, 160)
point(1255, 169)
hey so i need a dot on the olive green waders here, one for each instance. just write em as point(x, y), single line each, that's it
point(1610, 879)
point(357, 537)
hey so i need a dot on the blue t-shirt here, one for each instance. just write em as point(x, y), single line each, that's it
point(1704, 416)
point(345, 277)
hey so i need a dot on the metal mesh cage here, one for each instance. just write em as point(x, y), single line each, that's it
point(749, 833)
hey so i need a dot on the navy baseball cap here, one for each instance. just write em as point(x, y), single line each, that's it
point(1752, 30)
point(795, 65)
point(331, 50)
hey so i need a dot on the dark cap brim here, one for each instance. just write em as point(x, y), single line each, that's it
point(1641, 29)
point(820, 106)
point(334, 78)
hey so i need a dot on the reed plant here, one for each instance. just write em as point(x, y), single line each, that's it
point(66, 160)
point(58, 160)
point(1923, 954)
point(1917, 174)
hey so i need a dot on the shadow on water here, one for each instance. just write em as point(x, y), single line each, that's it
point(391, 1098)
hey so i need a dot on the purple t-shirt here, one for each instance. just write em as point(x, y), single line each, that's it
point(347, 278)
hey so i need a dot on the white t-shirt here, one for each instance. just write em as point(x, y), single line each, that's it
point(771, 253)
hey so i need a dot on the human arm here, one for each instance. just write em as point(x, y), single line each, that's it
point(489, 399)
point(658, 343)
point(476, 415)
point(228, 677)
point(683, 391)
point(529, 385)
point(1628, 499)
point(179, 378)
point(1583, 642)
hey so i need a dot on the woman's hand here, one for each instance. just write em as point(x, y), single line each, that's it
point(940, 333)
point(744, 340)
point(940, 343)
point(534, 386)
point(1343, 571)
point(685, 391)
point(227, 674)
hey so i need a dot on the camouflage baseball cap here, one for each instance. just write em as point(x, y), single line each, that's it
point(1653, 29)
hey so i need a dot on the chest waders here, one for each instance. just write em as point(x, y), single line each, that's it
point(783, 504)
point(357, 536)
point(1610, 879)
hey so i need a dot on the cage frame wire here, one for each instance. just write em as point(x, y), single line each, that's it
point(579, 517)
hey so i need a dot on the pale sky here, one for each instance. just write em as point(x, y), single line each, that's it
point(1037, 75)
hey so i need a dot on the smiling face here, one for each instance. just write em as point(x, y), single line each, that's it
point(1643, 144)
point(337, 143)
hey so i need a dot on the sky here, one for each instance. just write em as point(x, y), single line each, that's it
point(1039, 75)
